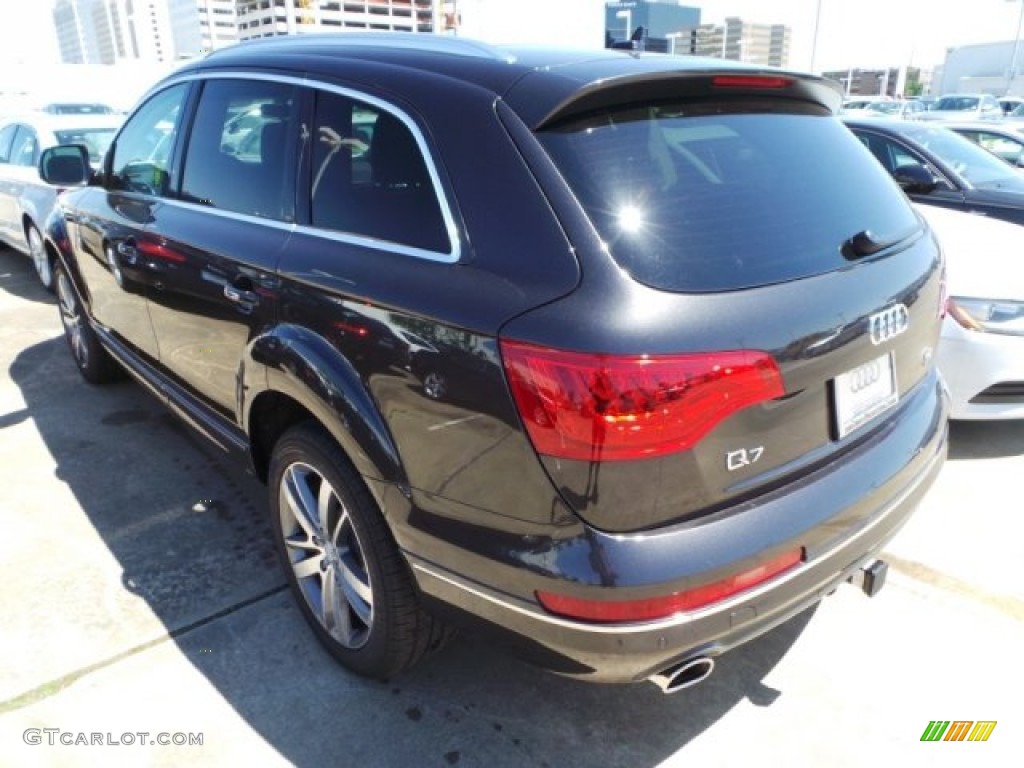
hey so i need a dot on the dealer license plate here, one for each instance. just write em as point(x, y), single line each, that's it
point(864, 392)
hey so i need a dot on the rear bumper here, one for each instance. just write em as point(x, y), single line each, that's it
point(841, 514)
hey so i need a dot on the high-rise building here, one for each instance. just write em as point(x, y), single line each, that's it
point(267, 18)
point(70, 31)
point(109, 31)
point(218, 23)
point(764, 44)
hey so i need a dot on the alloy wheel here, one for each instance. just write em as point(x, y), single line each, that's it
point(71, 317)
point(434, 385)
point(326, 556)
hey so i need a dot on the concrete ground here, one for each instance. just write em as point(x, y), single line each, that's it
point(141, 596)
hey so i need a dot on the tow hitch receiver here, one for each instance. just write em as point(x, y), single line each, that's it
point(870, 577)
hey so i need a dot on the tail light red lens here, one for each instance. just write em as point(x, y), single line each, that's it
point(650, 609)
point(750, 81)
point(614, 408)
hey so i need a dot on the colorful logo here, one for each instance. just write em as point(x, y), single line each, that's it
point(958, 730)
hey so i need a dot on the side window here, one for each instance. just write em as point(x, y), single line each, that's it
point(25, 150)
point(901, 156)
point(242, 148)
point(142, 150)
point(6, 139)
point(369, 177)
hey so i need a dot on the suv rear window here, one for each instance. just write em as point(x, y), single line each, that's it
point(708, 197)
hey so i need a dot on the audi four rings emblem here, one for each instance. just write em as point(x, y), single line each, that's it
point(889, 323)
point(865, 376)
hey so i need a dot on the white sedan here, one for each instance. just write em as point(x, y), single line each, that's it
point(25, 199)
point(981, 354)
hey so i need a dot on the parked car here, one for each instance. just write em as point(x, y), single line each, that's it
point(854, 106)
point(1001, 140)
point(25, 199)
point(706, 392)
point(965, 106)
point(903, 110)
point(1010, 103)
point(937, 166)
point(77, 108)
point(981, 354)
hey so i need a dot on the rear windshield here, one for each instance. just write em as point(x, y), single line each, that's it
point(95, 139)
point(697, 198)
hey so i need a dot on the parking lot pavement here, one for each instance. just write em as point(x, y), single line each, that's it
point(141, 596)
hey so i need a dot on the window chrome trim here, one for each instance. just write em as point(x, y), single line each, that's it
point(454, 252)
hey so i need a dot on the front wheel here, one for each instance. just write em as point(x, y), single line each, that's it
point(351, 582)
point(93, 361)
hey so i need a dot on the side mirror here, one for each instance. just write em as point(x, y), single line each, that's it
point(65, 166)
point(914, 179)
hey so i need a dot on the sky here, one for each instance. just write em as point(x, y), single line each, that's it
point(852, 33)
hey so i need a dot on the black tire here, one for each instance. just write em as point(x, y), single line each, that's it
point(93, 361)
point(352, 584)
point(40, 258)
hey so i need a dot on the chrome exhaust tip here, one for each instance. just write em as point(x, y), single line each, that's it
point(683, 675)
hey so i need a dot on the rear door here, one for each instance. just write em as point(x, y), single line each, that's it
point(8, 208)
point(18, 172)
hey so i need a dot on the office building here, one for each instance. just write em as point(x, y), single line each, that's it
point(267, 18)
point(763, 44)
point(110, 31)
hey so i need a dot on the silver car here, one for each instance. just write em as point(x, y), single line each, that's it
point(25, 199)
point(965, 106)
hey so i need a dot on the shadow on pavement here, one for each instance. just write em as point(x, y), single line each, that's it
point(985, 439)
point(19, 279)
point(188, 532)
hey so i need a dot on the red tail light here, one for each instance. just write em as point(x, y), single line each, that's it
point(649, 609)
point(613, 408)
point(750, 81)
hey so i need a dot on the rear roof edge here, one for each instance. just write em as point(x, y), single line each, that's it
point(537, 99)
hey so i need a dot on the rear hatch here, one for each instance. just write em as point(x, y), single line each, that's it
point(763, 299)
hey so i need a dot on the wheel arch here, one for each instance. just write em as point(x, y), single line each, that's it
point(308, 379)
point(58, 247)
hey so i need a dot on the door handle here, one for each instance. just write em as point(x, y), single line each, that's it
point(248, 299)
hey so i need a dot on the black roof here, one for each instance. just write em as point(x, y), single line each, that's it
point(541, 83)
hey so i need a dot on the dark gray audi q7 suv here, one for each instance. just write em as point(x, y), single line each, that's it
point(623, 359)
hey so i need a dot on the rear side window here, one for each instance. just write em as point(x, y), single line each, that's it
point(242, 148)
point(711, 198)
point(369, 177)
point(25, 150)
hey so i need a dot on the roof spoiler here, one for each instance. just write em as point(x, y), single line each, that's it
point(647, 87)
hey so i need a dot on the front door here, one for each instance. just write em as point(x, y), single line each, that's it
point(113, 220)
point(222, 236)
